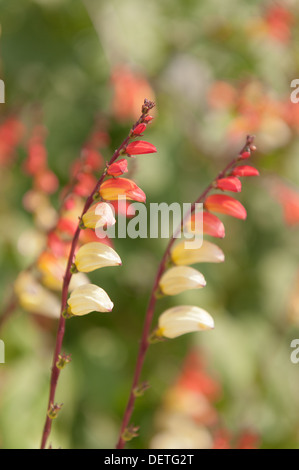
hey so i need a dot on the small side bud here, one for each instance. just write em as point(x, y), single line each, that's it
point(155, 337)
point(74, 269)
point(130, 432)
point(63, 360)
point(81, 225)
point(140, 389)
point(54, 410)
point(67, 313)
point(97, 197)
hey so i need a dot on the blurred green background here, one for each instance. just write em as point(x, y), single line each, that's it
point(218, 70)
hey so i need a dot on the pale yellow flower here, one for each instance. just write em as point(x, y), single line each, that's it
point(207, 253)
point(177, 321)
point(181, 278)
point(98, 216)
point(34, 298)
point(95, 255)
point(89, 298)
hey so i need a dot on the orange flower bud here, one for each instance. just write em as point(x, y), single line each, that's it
point(225, 205)
point(121, 188)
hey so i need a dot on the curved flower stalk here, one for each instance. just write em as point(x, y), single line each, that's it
point(179, 320)
point(87, 298)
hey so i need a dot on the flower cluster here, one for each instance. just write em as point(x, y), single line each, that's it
point(181, 277)
point(86, 254)
point(175, 275)
point(36, 287)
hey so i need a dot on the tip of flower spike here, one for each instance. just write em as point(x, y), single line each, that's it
point(147, 106)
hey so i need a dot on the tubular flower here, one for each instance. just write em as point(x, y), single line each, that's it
point(207, 253)
point(139, 129)
point(177, 321)
point(229, 184)
point(99, 215)
point(121, 188)
point(118, 168)
point(245, 170)
point(89, 298)
point(211, 225)
point(140, 147)
point(181, 278)
point(95, 255)
point(225, 205)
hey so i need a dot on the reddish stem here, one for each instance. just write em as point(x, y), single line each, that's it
point(66, 282)
point(144, 345)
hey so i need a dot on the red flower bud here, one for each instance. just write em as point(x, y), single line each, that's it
point(225, 205)
point(229, 184)
point(118, 168)
point(139, 129)
point(212, 225)
point(140, 147)
point(245, 170)
point(244, 155)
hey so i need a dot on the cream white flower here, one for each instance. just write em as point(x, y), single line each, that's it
point(95, 255)
point(181, 278)
point(34, 298)
point(77, 280)
point(99, 215)
point(207, 253)
point(89, 298)
point(177, 321)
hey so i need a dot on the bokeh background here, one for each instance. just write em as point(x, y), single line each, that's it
point(217, 71)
